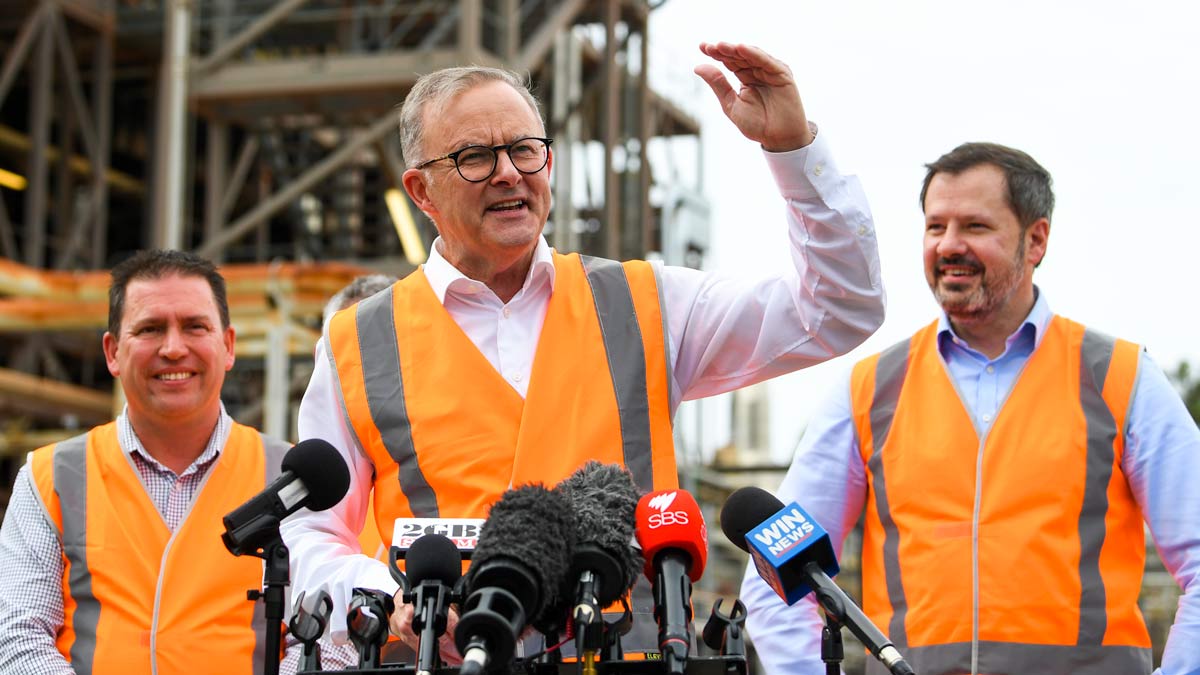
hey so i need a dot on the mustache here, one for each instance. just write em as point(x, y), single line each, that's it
point(959, 261)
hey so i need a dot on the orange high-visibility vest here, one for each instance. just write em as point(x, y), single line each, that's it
point(448, 435)
point(137, 598)
point(1016, 551)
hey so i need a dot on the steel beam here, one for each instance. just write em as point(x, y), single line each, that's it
point(171, 133)
point(538, 46)
point(335, 74)
point(102, 92)
point(611, 132)
point(246, 37)
point(237, 180)
point(215, 162)
point(20, 49)
point(277, 201)
point(40, 112)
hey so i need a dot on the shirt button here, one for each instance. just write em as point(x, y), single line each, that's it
point(987, 417)
point(991, 369)
point(507, 312)
point(862, 230)
point(818, 169)
point(517, 377)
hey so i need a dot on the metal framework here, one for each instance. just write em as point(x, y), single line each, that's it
point(254, 131)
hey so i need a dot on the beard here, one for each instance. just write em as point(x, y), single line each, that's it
point(980, 296)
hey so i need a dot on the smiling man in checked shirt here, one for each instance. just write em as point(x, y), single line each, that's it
point(110, 554)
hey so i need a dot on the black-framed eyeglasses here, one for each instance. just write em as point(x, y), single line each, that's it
point(477, 163)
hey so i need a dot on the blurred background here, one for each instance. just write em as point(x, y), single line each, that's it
point(261, 133)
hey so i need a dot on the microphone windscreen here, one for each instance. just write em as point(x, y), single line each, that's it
point(746, 509)
point(433, 557)
point(604, 499)
point(671, 519)
point(322, 471)
point(532, 528)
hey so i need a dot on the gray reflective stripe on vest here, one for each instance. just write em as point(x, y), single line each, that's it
point(890, 370)
point(626, 363)
point(273, 452)
point(1095, 356)
point(70, 484)
point(1011, 658)
point(375, 322)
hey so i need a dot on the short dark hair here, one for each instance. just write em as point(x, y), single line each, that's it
point(1030, 188)
point(157, 264)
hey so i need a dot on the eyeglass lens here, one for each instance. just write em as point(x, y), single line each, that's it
point(477, 162)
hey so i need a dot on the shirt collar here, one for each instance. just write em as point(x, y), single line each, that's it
point(444, 277)
point(1034, 324)
point(132, 445)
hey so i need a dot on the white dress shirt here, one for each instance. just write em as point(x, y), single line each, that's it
point(724, 331)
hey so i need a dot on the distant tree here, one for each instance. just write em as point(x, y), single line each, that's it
point(1187, 381)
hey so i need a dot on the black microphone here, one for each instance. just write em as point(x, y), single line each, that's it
point(314, 475)
point(434, 565)
point(674, 540)
point(516, 572)
point(792, 554)
point(604, 564)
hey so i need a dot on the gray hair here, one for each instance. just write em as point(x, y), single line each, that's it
point(434, 90)
point(361, 288)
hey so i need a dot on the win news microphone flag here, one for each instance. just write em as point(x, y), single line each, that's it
point(793, 554)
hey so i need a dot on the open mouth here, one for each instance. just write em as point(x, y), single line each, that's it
point(173, 377)
point(510, 205)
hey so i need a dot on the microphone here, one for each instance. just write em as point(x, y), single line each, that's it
point(674, 540)
point(793, 554)
point(604, 564)
point(434, 565)
point(516, 571)
point(314, 475)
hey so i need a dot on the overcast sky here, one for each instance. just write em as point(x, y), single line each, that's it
point(1106, 95)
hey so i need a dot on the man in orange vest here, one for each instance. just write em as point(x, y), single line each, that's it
point(502, 362)
point(1005, 458)
point(110, 555)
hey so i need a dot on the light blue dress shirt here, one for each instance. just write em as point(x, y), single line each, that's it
point(827, 478)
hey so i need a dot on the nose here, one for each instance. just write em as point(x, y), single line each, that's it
point(951, 242)
point(506, 171)
point(173, 344)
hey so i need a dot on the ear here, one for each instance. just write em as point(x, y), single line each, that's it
point(417, 187)
point(110, 354)
point(1037, 238)
point(229, 341)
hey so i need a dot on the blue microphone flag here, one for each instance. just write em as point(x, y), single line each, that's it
point(782, 544)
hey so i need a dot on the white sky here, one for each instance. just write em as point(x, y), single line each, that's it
point(1106, 95)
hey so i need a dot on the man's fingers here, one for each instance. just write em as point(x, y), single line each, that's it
point(751, 65)
point(717, 82)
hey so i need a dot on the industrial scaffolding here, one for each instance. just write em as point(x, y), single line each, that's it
point(262, 134)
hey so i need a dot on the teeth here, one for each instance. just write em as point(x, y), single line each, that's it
point(174, 376)
point(508, 205)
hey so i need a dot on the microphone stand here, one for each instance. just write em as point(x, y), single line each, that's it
point(261, 539)
point(832, 651)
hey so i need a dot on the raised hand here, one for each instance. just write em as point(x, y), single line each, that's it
point(767, 107)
